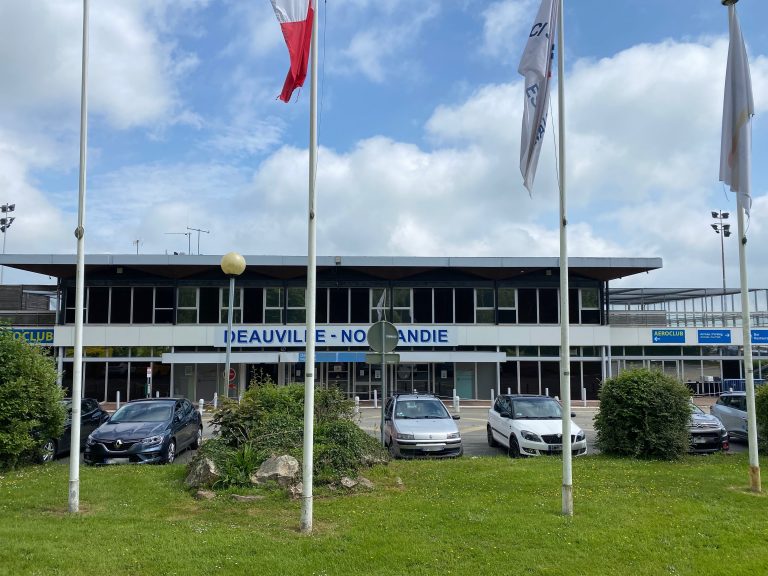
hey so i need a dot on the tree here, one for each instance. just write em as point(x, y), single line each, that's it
point(30, 407)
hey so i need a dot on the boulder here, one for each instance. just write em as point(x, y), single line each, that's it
point(348, 483)
point(281, 469)
point(296, 490)
point(365, 483)
point(205, 495)
point(203, 473)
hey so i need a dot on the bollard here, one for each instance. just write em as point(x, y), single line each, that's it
point(157, 393)
point(375, 398)
point(584, 396)
point(357, 405)
point(457, 404)
point(492, 396)
point(455, 400)
point(118, 400)
point(509, 390)
point(200, 405)
point(215, 400)
point(546, 391)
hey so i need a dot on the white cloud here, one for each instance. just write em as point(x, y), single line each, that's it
point(502, 24)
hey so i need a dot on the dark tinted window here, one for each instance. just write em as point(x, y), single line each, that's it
point(443, 305)
point(98, 305)
point(120, 310)
point(465, 305)
point(209, 306)
point(422, 305)
point(359, 304)
point(143, 305)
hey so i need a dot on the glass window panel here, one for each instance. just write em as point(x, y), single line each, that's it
point(484, 297)
point(273, 316)
point(297, 316)
point(485, 316)
point(187, 297)
point(589, 298)
point(296, 297)
point(186, 316)
point(401, 297)
point(402, 316)
point(507, 298)
point(274, 297)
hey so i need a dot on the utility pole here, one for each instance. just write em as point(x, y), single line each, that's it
point(198, 230)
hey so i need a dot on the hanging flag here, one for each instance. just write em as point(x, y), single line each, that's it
point(295, 17)
point(380, 305)
point(738, 109)
point(536, 67)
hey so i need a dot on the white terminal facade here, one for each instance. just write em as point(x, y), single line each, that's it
point(476, 326)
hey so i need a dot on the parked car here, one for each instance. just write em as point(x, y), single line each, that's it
point(707, 432)
point(731, 410)
point(91, 417)
point(529, 425)
point(150, 430)
point(420, 425)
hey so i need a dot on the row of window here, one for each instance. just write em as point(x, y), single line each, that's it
point(281, 305)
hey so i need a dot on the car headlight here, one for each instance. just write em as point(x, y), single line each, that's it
point(153, 440)
point(453, 435)
point(530, 436)
point(580, 436)
point(90, 440)
point(401, 436)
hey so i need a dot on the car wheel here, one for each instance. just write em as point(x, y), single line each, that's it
point(198, 441)
point(491, 441)
point(514, 447)
point(170, 453)
point(48, 451)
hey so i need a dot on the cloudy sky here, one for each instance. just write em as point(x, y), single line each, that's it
point(419, 131)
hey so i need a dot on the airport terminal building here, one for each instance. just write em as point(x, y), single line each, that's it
point(478, 326)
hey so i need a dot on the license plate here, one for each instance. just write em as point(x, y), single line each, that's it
point(432, 448)
point(117, 460)
point(699, 440)
point(556, 448)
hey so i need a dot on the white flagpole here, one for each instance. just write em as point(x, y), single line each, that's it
point(77, 366)
point(742, 186)
point(565, 350)
point(309, 367)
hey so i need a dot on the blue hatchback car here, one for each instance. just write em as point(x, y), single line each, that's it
point(150, 431)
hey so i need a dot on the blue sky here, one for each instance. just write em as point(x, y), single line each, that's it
point(420, 131)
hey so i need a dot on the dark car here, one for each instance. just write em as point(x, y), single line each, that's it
point(707, 432)
point(150, 431)
point(91, 417)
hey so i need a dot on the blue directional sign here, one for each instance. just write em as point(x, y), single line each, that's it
point(714, 336)
point(759, 336)
point(668, 336)
point(325, 357)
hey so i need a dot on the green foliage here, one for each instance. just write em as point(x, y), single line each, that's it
point(269, 420)
point(30, 411)
point(761, 414)
point(643, 414)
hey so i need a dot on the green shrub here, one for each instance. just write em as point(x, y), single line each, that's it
point(30, 411)
point(643, 414)
point(269, 421)
point(761, 415)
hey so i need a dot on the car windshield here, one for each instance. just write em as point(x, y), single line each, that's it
point(428, 408)
point(142, 412)
point(536, 408)
point(696, 410)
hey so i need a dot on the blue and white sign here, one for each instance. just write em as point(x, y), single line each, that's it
point(42, 336)
point(759, 336)
point(668, 336)
point(287, 337)
point(329, 357)
point(714, 336)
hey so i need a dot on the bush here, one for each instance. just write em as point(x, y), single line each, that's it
point(269, 421)
point(30, 408)
point(643, 414)
point(761, 415)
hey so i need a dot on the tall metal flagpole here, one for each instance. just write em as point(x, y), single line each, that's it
point(739, 183)
point(309, 372)
point(77, 366)
point(565, 350)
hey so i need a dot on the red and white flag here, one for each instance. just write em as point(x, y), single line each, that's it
point(738, 109)
point(295, 17)
point(536, 66)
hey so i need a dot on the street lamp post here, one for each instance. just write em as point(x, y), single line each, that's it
point(724, 230)
point(5, 222)
point(232, 264)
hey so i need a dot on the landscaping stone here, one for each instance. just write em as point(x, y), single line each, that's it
point(202, 473)
point(281, 469)
point(205, 495)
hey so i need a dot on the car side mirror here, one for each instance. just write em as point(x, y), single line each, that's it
point(573, 414)
point(505, 415)
point(387, 418)
point(177, 417)
point(455, 416)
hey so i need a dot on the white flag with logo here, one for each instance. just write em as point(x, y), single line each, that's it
point(738, 109)
point(536, 67)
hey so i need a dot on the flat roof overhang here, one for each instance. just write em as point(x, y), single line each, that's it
point(186, 266)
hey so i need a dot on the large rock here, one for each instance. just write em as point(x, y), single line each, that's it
point(203, 473)
point(281, 469)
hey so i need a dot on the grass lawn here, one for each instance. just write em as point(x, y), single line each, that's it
point(468, 516)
